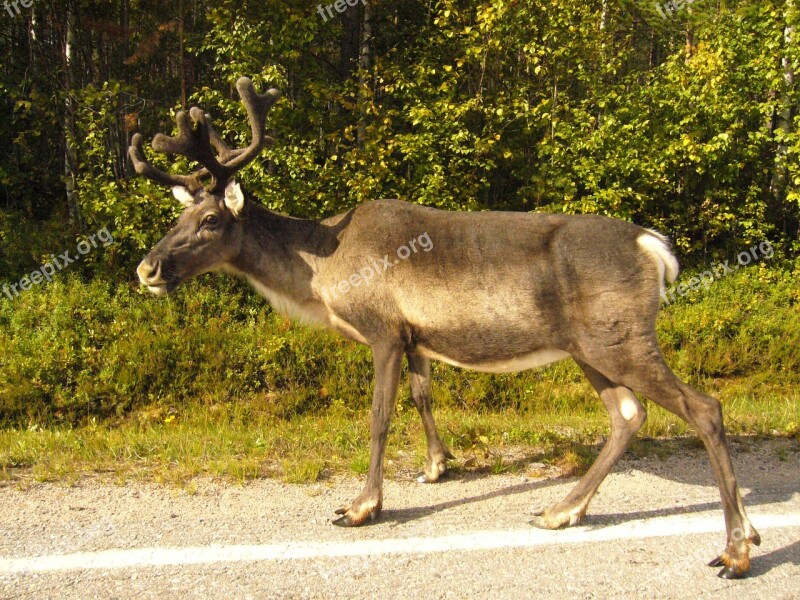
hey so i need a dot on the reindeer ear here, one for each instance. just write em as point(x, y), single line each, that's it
point(234, 198)
point(183, 195)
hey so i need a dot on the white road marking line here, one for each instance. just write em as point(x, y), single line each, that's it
point(478, 540)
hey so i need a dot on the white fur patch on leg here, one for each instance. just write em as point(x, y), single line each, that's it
point(629, 408)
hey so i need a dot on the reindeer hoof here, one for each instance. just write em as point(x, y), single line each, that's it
point(732, 568)
point(354, 518)
point(717, 562)
point(434, 472)
point(540, 521)
point(556, 518)
point(344, 521)
point(730, 573)
point(428, 479)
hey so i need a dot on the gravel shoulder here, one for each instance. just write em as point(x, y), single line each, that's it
point(93, 516)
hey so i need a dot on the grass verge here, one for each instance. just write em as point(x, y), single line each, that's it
point(237, 445)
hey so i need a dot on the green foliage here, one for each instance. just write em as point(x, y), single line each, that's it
point(685, 124)
point(670, 147)
point(128, 208)
point(29, 168)
point(26, 244)
point(745, 325)
point(72, 351)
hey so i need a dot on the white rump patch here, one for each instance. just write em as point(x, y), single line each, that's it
point(183, 195)
point(657, 246)
point(513, 365)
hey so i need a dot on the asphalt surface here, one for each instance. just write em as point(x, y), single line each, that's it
point(649, 532)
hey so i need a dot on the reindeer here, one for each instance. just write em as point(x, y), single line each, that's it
point(497, 292)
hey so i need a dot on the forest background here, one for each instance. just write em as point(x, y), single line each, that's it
point(682, 117)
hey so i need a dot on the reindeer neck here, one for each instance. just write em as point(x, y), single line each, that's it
point(280, 256)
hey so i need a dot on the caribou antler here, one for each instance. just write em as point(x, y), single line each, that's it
point(196, 138)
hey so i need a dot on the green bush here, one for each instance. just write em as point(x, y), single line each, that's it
point(26, 244)
point(745, 324)
point(71, 351)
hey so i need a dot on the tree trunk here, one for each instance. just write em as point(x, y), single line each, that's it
point(70, 152)
point(182, 51)
point(364, 65)
point(604, 16)
point(349, 46)
point(690, 47)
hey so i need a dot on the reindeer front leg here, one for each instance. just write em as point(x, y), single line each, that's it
point(367, 506)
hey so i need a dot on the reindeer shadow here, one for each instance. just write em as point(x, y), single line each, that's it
point(646, 455)
point(764, 487)
point(764, 563)
point(405, 515)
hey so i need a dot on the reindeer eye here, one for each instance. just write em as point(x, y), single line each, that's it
point(210, 220)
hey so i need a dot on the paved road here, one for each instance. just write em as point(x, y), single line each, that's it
point(650, 531)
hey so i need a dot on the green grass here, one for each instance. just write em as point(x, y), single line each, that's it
point(235, 445)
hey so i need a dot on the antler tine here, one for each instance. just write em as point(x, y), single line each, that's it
point(196, 138)
point(256, 106)
point(194, 142)
point(142, 167)
point(224, 152)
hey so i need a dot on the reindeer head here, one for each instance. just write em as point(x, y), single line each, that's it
point(209, 233)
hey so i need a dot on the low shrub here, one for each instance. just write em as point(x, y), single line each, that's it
point(72, 351)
